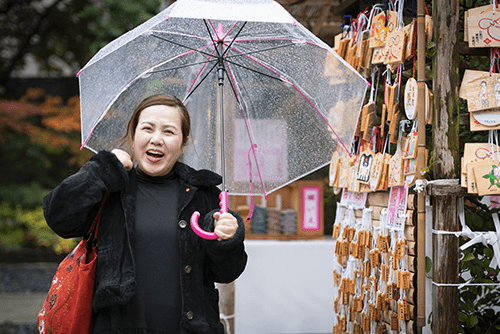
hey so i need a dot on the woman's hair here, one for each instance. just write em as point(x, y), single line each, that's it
point(156, 100)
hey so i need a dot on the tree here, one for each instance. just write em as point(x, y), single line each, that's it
point(64, 32)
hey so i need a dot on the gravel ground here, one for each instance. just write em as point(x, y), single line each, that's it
point(24, 278)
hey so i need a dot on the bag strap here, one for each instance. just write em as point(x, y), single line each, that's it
point(92, 234)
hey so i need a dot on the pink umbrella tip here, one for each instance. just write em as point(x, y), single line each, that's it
point(78, 74)
point(220, 30)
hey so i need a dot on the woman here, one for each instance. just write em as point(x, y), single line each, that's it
point(154, 275)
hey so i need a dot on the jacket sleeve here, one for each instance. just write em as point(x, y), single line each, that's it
point(228, 257)
point(71, 206)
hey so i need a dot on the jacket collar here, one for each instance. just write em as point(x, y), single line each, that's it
point(202, 177)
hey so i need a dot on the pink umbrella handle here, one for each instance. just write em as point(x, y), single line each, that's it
point(223, 202)
point(196, 215)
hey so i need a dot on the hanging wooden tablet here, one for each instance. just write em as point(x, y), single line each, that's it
point(351, 52)
point(382, 122)
point(429, 105)
point(353, 184)
point(410, 168)
point(365, 164)
point(410, 147)
point(364, 53)
point(487, 175)
point(379, 30)
point(384, 179)
point(364, 115)
point(471, 178)
point(376, 174)
point(482, 27)
point(475, 152)
point(342, 49)
point(391, 101)
point(428, 29)
point(396, 170)
point(334, 169)
point(411, 39)
point(343, 177)
point(336, 42)
point(411, 98)
point(393, 128)
point(394, 322)
point(371, 122)
point(482, 90)
point(378, 55)
point(395, 47)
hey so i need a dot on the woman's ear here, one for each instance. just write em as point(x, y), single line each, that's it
point(185, 144)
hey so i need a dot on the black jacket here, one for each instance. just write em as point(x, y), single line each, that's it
point(70, 208)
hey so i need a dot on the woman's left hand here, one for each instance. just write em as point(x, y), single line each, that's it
point(225, 225)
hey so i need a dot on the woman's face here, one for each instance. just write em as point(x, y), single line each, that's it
point(158, 139)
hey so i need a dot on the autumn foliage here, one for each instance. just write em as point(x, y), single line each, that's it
point(47, 120)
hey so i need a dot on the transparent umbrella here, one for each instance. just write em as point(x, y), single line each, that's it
point(269, 101)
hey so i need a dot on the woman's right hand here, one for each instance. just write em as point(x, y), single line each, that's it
point(124, 158)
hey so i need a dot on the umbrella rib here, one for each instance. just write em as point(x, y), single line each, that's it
point(234, 39)
point(253, 70)
point(199, 83)
point(252, 145)
point(183, 66)
point(301, 93)
point(179, 44)
point(213, 40)
point(258, 51)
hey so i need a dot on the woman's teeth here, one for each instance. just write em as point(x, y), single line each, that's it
point(154, 154)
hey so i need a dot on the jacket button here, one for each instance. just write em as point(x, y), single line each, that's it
point(182, 224)
point(190, 315)
point(187, 269)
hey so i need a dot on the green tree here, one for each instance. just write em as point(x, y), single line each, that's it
point(64, 31)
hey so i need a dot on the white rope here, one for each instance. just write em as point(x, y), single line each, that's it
point(226, 319)
point(486, 238)
point(461, 285)
point(420, 185)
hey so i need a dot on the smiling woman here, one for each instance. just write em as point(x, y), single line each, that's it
point(158, 139)
point(144, 224)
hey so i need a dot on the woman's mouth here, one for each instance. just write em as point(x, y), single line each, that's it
point(154, 155)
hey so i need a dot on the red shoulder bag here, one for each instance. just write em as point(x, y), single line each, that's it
point(68, 306)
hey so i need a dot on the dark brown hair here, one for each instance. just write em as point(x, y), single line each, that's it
point(156, 100)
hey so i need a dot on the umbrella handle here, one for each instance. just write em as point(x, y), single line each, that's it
point(196, 215)
point(198, 230)
point(223, 202)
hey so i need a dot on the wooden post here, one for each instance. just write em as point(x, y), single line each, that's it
point(446, 74)
point(421, 44)
point(445, 193)
point(445, 255)
point(226, 306)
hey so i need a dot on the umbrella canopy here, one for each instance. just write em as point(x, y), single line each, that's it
point(284, 100)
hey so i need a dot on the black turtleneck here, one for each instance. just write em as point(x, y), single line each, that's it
point(156, 304)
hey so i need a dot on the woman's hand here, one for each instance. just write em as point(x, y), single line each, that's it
point(225, 225)
point(124, 158)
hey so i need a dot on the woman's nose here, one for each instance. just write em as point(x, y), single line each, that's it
point(156, 138)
